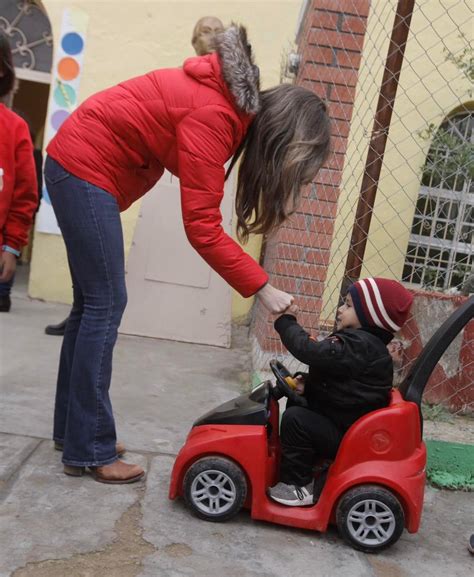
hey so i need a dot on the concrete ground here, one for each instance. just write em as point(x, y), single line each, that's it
point(57, 526)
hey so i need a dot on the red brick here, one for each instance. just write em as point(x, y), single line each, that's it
point(272, 345)
point(342, 93)
point(310, 304)
point(344, 58)
point(300, 270)
point(318, 257)
point(264, 326)
point(322, 90)
point(326, 176)
point(313, 240)
point(296, 222)
point(340, 111)
point(322, 193)
point(354, 24)
point(311, 288)
point(313, 222)
point(358, 7)
point(284, 283)
point(290, 252)
point(327, 193)
point(309, 321)
point(322, 225)
point(335, 162)
point(338, 144)
point(340, 128)
point(318, 193)
point(324, 19)
point(315, 54)
point(331, 74)
point(308, 191)
point(325, 209)
point(321, 37)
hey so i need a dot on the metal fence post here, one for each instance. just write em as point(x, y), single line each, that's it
point(378, 141)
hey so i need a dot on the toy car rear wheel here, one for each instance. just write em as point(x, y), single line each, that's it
point(215, 488)
point(370, 518)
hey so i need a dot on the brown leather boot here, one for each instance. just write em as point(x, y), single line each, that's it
point(119, 447)
point(117, 473)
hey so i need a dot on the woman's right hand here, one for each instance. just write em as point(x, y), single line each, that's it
point(275, 300)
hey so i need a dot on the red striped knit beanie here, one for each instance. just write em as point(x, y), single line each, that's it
point(381, 302)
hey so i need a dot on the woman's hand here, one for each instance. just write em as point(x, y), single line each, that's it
point(7, 266)
point(275, 300)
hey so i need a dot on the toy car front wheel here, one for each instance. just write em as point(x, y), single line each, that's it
point(370, 518)
point(215, 488)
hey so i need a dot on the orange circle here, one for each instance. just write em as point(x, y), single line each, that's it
point(68, 68)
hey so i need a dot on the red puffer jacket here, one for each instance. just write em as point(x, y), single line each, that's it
point(19, 196)
point(187, 120)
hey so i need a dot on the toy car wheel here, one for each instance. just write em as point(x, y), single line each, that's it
point(370, 518)
point(215, 488)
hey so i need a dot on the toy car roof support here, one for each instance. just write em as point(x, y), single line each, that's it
point(414, 384)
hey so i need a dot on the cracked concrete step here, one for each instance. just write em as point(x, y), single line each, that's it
point(13, 451)
point(48, 515)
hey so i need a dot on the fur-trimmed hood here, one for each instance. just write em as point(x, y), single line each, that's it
point(242, 76)
point(231, 65)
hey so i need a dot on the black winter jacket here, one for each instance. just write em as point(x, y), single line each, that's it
point(350, 372)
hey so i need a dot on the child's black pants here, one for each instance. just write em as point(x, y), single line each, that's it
point(305, 435)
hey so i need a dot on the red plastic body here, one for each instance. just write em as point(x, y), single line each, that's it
point(383, 448)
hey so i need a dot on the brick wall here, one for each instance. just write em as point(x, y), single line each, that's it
point(330, 43)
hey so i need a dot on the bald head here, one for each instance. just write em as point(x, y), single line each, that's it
point(204, 33)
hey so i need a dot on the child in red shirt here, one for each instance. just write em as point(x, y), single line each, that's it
point(18, 182)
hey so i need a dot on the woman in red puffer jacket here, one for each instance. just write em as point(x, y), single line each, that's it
point(18, 182)
point(111, 151)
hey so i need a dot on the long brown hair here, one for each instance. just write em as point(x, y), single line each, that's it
point(285, 146)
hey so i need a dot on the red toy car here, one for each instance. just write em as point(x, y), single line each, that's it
point(374, 488)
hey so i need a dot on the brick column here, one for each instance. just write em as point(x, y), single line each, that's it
point(330, 44)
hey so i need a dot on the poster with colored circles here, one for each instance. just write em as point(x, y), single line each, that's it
point(63, 97)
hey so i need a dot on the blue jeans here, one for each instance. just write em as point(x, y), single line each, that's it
point(89, 219)
point(6, 287)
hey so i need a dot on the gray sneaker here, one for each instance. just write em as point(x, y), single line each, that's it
point(292, 495)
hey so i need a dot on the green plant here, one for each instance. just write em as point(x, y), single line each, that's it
point(449, 154)
point(463, 60)
point(437, 413)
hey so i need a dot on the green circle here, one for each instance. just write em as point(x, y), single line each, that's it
point(64, 95)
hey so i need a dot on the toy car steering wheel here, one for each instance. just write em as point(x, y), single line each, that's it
point(284, 382)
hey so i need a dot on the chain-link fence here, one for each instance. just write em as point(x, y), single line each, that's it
point(396, 197)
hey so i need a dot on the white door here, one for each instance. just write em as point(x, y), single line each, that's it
point(172, 292)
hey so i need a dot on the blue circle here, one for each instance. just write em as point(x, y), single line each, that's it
point(72, 43)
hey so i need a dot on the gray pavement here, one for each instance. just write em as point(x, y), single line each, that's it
point(56, 526)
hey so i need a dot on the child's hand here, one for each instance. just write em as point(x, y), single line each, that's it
point(299, 385)
point(292, 310)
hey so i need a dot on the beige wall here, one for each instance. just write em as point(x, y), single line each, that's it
point(128, 38)
point(430, 88)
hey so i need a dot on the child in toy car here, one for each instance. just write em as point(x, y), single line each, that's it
point(350, 374)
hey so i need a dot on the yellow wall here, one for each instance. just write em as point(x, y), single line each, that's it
point(128, 38)
point(430, 88)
